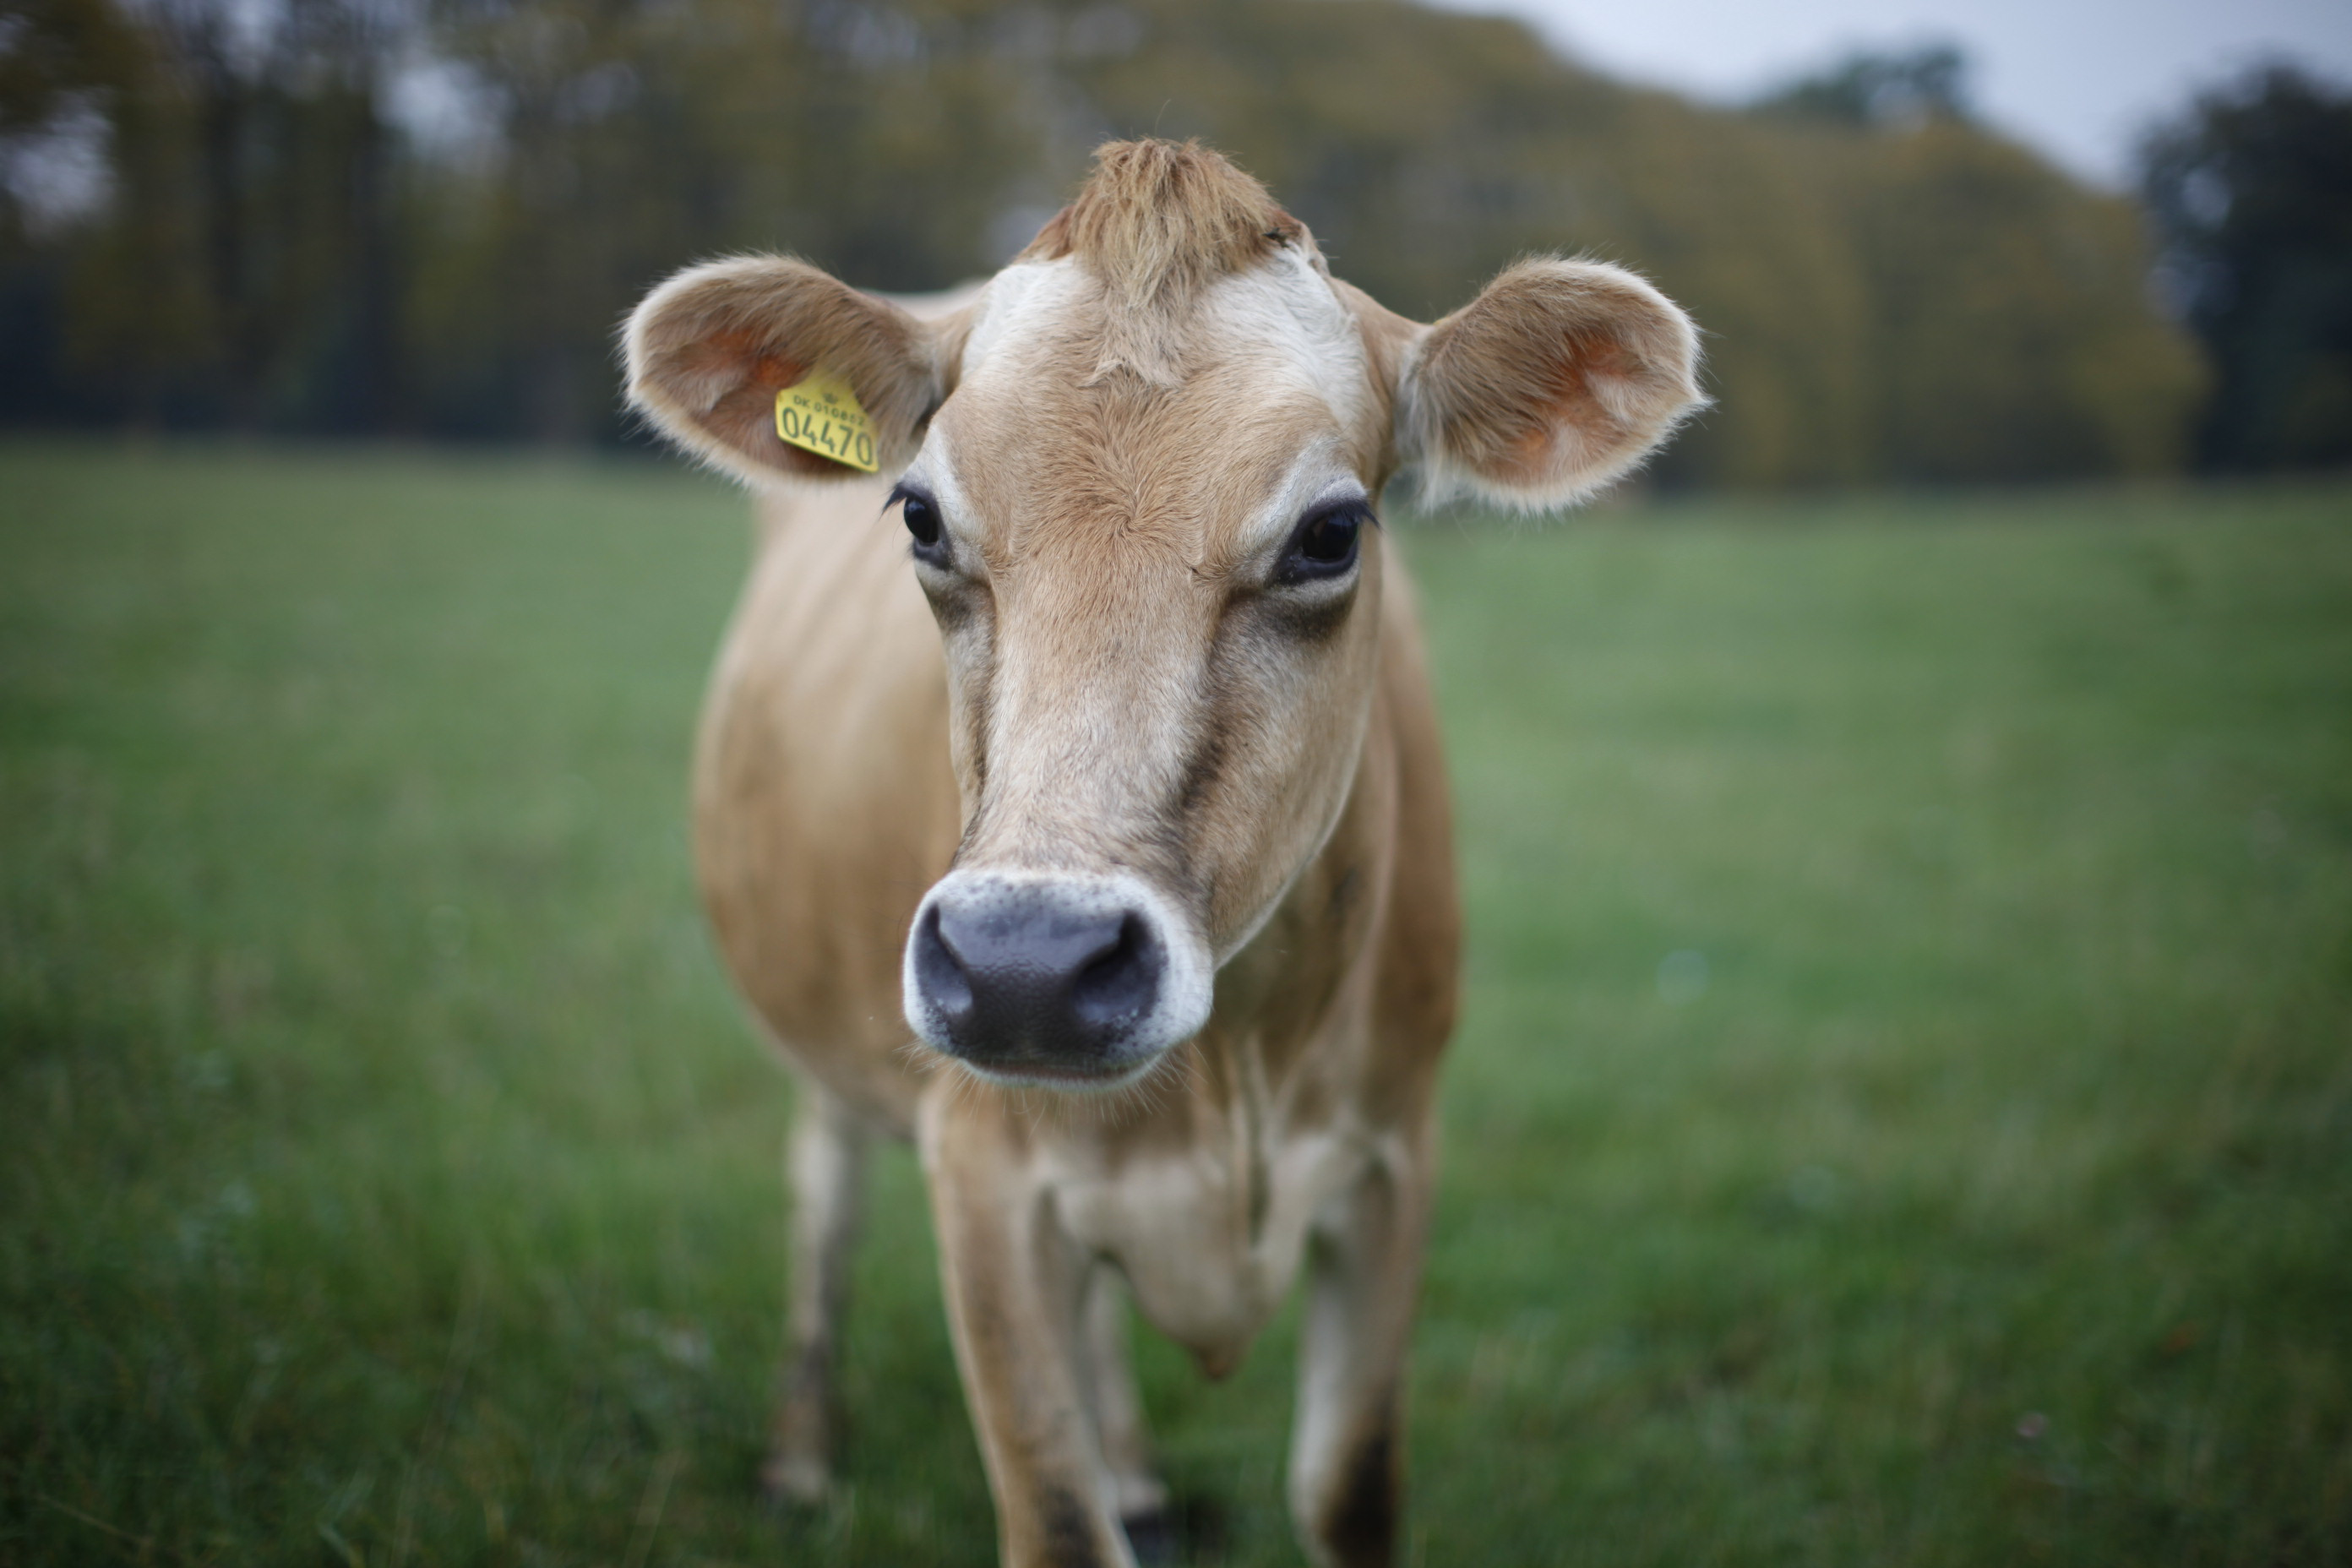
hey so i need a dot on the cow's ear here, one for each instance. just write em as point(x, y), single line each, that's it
point(709, 350)
point(1561, 376)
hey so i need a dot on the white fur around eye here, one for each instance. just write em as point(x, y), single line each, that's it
point(933, 472)
point(1319, 477)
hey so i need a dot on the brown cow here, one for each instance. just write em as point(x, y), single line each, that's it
point(1102, 846)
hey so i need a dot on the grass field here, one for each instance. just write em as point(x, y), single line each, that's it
point(1903, 1115)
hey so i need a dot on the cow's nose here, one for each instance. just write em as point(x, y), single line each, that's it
point(1022, 978)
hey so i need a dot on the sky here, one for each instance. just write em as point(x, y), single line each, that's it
point(2080, 79)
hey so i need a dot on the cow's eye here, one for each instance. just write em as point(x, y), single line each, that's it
point(1326, 543)
point(921, 515)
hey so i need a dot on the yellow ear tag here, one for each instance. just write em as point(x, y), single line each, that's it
point(822, 416)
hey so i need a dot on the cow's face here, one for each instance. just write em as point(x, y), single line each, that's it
point(1159, 603)
point(1138, 478)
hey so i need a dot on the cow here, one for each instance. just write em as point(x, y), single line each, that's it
point(1068, 796)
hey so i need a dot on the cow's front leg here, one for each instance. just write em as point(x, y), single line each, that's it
point(1015, 1287)
point(1117, 1407)
point(1346, 1447)
point(825, 1163)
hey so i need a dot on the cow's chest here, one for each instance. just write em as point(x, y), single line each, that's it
point(1209, 1235)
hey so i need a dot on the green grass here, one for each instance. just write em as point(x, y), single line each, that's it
point(1903, 1113)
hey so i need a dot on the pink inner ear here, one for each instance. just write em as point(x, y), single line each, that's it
point(1567, 413)
point(726, 362)
point(747, 374)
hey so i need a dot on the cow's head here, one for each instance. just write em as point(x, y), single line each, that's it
point(1138, 474)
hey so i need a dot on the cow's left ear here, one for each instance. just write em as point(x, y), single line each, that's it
point(1561, 376)
point(709, 350)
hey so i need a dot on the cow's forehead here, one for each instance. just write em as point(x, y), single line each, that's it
point(1273, 412)
point(1284, 311)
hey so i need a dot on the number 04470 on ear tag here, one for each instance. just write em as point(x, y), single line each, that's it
point(822, 416)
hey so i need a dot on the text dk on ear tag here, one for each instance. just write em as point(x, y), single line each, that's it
point(821, 415)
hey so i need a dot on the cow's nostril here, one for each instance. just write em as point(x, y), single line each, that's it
point(1034, 973)
point(938, 971)
point(1121, 983)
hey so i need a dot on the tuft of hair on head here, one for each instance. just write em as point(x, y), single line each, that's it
point(1157, 223)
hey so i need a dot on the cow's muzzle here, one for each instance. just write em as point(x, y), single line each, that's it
point(1065, 982)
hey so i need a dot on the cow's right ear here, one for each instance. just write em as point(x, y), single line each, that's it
point(709, 350)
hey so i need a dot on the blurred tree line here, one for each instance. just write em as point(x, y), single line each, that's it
point(2251, 191)
point(427, 216)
